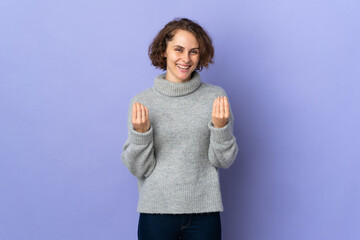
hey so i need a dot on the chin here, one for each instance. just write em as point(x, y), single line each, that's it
point(186, 76)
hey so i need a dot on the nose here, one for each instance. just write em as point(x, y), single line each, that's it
point(186, 57)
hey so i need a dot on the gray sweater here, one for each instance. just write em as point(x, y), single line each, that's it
point(176, 162)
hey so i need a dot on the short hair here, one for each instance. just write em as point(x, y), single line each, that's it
point(158, 47)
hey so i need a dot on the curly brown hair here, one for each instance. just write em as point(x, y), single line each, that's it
point(158, 47)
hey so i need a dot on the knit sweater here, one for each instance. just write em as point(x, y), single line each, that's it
point(176, 161)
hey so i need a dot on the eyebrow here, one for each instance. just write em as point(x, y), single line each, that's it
point(183, 47)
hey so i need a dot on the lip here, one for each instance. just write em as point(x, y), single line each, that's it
point(181, 69)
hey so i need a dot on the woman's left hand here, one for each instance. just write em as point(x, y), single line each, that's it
point(220, 114)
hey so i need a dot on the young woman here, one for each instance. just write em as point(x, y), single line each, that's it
point(180, 131)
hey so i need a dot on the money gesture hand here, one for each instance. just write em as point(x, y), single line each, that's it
point(140, 117)
point(220, 114)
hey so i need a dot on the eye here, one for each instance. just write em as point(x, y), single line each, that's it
point(194, 52)
point(178, 49)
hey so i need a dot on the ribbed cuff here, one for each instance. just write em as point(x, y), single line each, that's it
point(220, 134)
point(140, 138)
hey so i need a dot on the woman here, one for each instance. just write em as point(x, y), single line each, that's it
point(180, 131)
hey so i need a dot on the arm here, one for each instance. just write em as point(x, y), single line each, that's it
point(223, 147)
point(138, 151)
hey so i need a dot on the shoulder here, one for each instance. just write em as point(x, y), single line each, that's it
point(144, 94)
point(143, 97)
point(212, 89)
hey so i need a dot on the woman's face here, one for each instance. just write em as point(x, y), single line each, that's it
point(182, 56)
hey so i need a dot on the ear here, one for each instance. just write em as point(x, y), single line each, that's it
point(164, 55)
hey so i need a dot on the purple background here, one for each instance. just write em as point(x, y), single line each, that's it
point(68, 70)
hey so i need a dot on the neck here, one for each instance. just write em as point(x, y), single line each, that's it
point(175, 89)
point(176, 80)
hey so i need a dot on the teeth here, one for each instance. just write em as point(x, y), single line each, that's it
point(182, 67)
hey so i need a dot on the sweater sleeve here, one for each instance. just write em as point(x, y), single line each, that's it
point(138, 150)
point(223, 147)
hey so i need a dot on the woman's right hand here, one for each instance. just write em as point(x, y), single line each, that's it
point(140, 117)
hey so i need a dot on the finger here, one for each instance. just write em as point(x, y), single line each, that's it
point(227, 108)
point(221, 107)
point(146, 113)
point(214, 108)
point(133, 112)
point(217, 107)
point(143, 113)
point(138, 112)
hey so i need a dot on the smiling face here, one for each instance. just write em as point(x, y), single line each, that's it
point(182, 56)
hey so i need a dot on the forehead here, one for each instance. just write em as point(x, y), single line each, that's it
point(183, 37)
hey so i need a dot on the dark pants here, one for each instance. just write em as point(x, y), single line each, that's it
point(179, 226)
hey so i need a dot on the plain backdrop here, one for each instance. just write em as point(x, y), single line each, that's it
point(69, 68)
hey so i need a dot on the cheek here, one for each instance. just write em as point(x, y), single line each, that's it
point(169, 58)
point(196, 59)
point(172, 57)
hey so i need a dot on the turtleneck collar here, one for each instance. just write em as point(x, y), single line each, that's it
point(177, 89)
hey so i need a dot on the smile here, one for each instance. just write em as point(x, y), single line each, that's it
point(182, 67)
